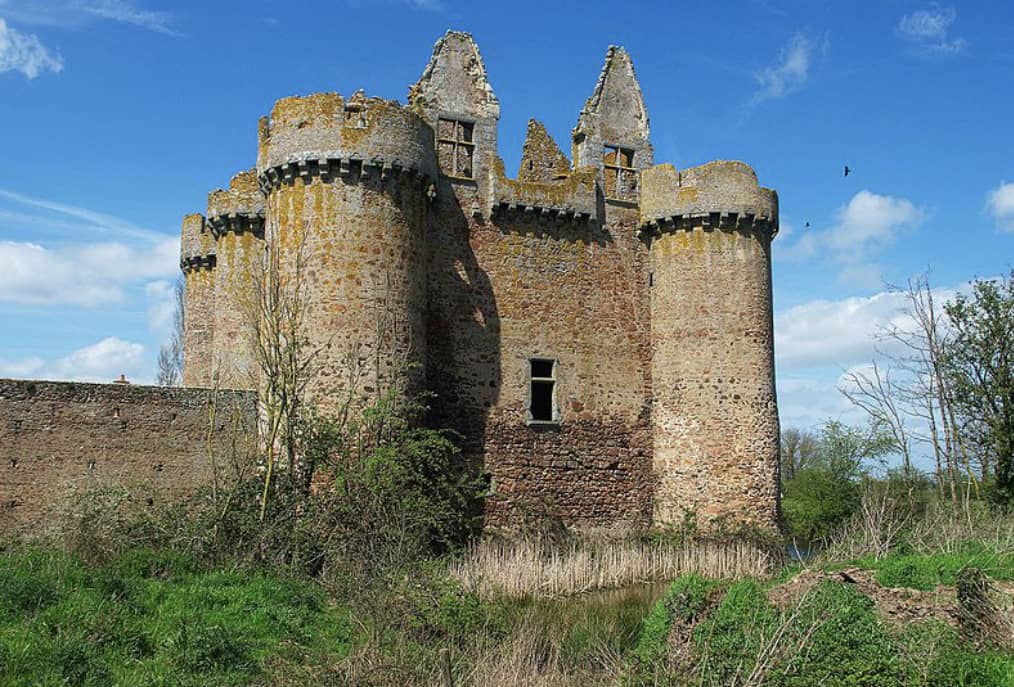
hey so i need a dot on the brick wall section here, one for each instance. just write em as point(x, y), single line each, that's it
point(56, 437)
point(572, 292)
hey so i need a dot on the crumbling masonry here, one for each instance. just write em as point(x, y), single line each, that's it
point(598, 329)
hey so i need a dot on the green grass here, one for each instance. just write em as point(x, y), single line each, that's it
point(155, 619)
point(833, 638)
point(926, 572)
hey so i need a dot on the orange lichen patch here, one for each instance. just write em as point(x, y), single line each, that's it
point(541, 158)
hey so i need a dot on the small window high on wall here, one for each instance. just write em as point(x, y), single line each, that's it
point(456, 147)
point(543, 391)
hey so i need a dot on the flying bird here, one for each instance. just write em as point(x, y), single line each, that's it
point(847, 170)
point(806, 226)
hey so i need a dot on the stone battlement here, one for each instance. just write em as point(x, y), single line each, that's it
point(325, 135)
point(721, 195)
point(573, 197)
point(238, 209)
point(197, 245)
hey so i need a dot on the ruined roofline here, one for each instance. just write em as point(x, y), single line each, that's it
point(480, 77)
point(614, 55)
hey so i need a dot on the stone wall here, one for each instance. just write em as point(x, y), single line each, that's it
point(236, 216)
point(198, 261)
point(59, 437)
point(714, 416)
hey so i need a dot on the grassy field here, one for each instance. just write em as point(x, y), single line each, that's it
point(149, 618)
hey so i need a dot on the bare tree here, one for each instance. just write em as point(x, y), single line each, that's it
point(910, 394)
point(276, 317)
point(170, 355)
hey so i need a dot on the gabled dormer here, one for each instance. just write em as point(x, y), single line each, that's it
point(455, 97)
point(612, 130)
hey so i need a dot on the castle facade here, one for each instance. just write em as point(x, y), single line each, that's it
point(598, 328)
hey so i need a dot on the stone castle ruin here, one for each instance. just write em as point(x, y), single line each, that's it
point(598, 328)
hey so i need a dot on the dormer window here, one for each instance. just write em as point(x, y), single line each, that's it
point(619, 171)
point(456, 147)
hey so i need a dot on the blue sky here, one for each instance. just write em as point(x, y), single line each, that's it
point(118, 117)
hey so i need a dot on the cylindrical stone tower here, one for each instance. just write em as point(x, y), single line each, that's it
point(236, 216)
point(347, 184)
point(197, 260)
point(714, 416)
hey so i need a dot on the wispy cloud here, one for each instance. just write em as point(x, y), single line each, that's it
point(97, 221)
point(788, 73)
point(76, 256)
point(25, 53)
point(863, 227)
point(117, 10)
point(70, 14)
point(928, 31)
point(1000, 204)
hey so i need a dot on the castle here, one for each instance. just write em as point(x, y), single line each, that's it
point(598, 329)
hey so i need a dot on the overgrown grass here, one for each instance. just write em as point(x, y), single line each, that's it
point(832, 637)
point(155, 619)
point(529, 568)
point(901, 569)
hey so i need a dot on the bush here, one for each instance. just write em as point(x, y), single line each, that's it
point(817, 502)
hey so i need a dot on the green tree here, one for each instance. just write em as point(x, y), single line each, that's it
point(826, 491)
point(980, 367)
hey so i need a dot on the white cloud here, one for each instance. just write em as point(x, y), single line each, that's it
point(837, 333)
point(81, 275)
point(90, 220)
point(789, 72)
point(1000, 204)
point(24, 53)
point(49, 270)
point(103, 361)
point(927, 31)
point(161, 296)
point(863, 227)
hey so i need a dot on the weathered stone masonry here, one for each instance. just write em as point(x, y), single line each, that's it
point(57, 437)
point(598, 331)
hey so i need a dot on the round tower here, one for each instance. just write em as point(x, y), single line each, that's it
point(197, 260)
point(347, 183)
point(236, 216)
point(714, 415)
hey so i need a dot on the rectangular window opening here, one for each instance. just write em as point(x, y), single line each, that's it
point(620, 173)
point(543, 381)
point(456, 147)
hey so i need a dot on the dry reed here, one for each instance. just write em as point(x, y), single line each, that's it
point(526, 568)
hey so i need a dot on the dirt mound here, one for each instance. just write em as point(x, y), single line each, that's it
point(899, 606)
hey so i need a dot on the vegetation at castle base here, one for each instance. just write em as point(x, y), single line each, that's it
point(732, 634)
point(147, 618)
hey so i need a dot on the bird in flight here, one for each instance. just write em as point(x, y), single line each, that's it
point(847, 170)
